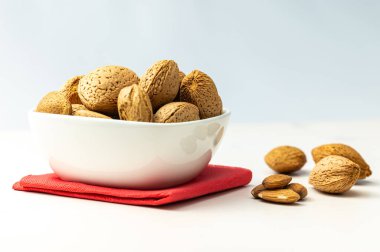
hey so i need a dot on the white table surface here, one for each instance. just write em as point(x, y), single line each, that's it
point(225, 221)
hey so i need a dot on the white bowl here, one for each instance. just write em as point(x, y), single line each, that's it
point(127, 154)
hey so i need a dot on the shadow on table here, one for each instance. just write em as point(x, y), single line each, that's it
point(300, 173)
point(231, 196)
point(367, 182)
point(353, 193)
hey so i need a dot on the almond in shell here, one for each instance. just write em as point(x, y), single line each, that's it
point(99, 89)
point(134, 104)
point(70, 89)
point(161, 82)
point(334, 174)
point(175, 112)
point(285, 159)
point(88, 113)
point(55, 103)
point(199, 89)
point(344, 151)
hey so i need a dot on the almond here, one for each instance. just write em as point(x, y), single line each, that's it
point(199, 89)
point(134, 104)
point(161, 83)
point(276, 181)
point(99, 89)
point(256, 190)
point(70, 89)
point(334, 174)
point(175, 112)
point(344, 151)
point(285, 196)
point(285, 159)
point(181, 75)
point(76, 107)
point(88, 113)
point(54, 103)
point(298, 188)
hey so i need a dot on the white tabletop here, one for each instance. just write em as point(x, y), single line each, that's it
point(225, 221)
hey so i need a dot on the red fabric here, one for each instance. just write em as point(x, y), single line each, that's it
point(214, 178)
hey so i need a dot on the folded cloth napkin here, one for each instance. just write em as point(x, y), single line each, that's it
point(214, 178)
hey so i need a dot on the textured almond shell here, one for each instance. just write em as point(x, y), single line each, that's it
point(70, 89)
point(88, 113)
point(54, 103)
point(181, 75)
point(175, 112)
point(134, 104)
point(99, 89)
point(285, 159)
point(285, 196)
point(344, 151)
point(199, 89)
point(334, 174)
point(161, 83)
point(76, 107)
point(276, 181)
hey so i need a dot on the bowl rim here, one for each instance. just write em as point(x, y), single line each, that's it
point(225, 113)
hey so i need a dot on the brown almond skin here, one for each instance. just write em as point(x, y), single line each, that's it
point(88, 113)
point(344, 151)
point(161, 83)
point(175, 112)
point(276, 181)
point(70, 89)
point(134, 104)
point(283, 196)
point(298, 188)
point(54, 103)
point(285, 159)
point(76, 107)
point(100, 89)
point(334, 174)
point(199, 89)
point(256, 190)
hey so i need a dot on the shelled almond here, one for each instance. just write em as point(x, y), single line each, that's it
point(276, 188)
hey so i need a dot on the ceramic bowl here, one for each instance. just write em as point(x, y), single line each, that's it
point(127, 154)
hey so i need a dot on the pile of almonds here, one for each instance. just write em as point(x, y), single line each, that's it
point(276, 188)
point(163, 94)
point(337, 169)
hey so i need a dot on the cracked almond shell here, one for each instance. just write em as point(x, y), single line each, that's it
point(161, 82)
point(344, 151)
point(54, 103)
point(199, 89)
point(99, 89)
point(175, 112)
point(134, 104)
point(334, 174)
point(70, 89)
point(285, 159)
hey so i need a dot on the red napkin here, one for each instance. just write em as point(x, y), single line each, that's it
point(214, 178)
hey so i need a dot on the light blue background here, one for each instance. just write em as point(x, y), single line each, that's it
point(271, 60)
